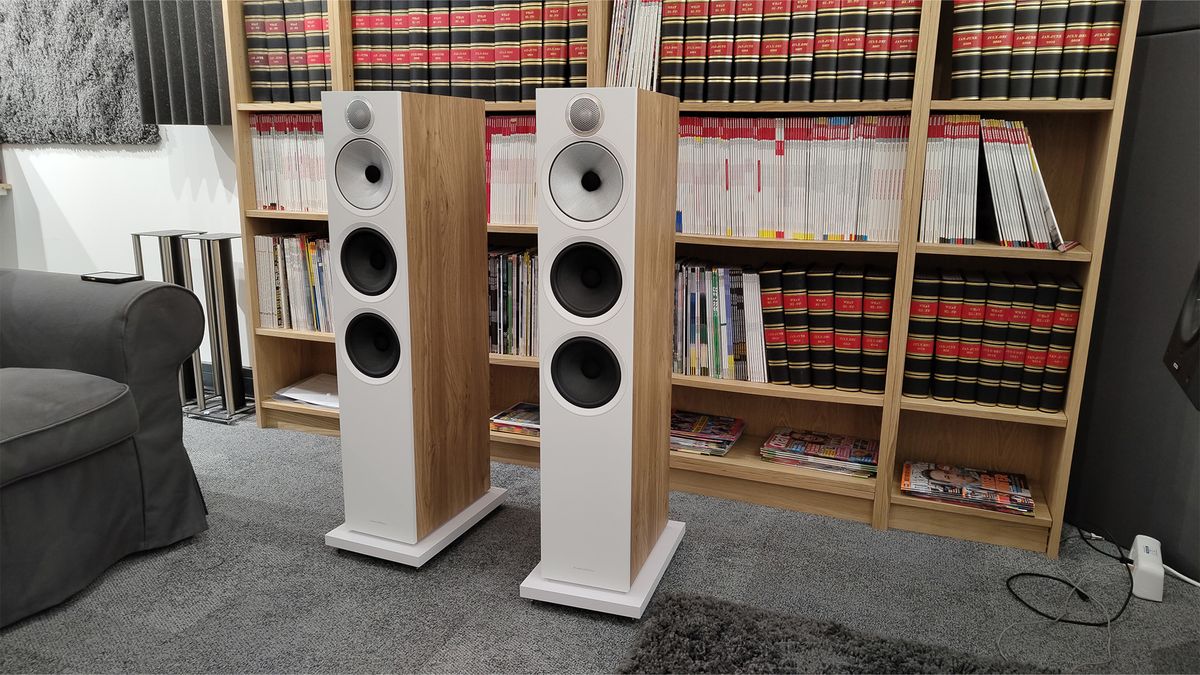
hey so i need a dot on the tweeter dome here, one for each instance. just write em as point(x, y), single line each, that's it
point(606, 161)
point(406, 225)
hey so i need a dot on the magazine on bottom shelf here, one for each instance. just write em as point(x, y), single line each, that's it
point(992, 490)
point(522, 419)
point(702, 434)
point(835, 453)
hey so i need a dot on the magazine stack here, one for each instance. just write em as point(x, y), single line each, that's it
point(702, 434)
point(521, 419)
point(825, 452)
point(992, 490)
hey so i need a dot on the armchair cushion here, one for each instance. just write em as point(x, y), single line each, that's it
point(49, 417)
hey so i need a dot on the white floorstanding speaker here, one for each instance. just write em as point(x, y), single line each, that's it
point(408, 238)
point(606, 161)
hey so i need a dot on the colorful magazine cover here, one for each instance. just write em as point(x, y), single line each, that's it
point(521, 418)
point(816, 444)
point(703, 427)
point(1009, 491)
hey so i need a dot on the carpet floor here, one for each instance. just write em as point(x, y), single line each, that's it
point(260, 592)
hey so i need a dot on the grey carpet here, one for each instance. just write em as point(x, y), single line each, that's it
point(260, 592)
point(67, 74)
point(693, 634)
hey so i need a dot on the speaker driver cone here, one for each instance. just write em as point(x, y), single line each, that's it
point(372, 345)
point(586, 181)
point(363, 173)
point(585, 372)
point(585, 279)
point(368, 261)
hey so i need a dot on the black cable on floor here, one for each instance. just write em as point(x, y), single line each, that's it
point(1121, 558)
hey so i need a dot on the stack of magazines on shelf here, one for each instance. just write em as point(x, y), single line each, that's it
point(992, 490)
point(825, 452)
point(702, 434)
point(521, 419)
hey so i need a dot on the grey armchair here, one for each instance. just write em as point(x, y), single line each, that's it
point(92, 464)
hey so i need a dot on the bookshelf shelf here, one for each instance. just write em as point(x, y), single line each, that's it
point(744, 463)
point(515, 439)
point(838, 107)
point(511, 229)
point(508, 106)
point(510, 360)
point(779, 391)
point(1063, 106)
point(1017, 415)
point(965, 522)
point(287, 215)
point(990, 250)
point(296, 407)
point(314, 106)
point(787, 244)
point(291, 334)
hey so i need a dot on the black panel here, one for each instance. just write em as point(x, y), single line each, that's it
point(1137, 457)
point(586, 279)
point(368, 261)
point(1167, 16)
point(372, 345)
point(585, 372)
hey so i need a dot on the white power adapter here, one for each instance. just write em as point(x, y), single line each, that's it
point(1147, 568)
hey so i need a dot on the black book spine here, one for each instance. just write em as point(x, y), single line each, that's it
point(1040, 326)
point(314, 41)
point(795, 319)
point(922, 331)
point(1103, 38)
point(399, 30)
point(1024, 49)
point(876, 50)
point(554, 43)
point(381, 45)
point(483, 50)
point(418, 46)
point(1062, 342)
point(747, 46)
point(256, 51)
point(1017, 340)
point(508, 50)
point(847, 327)
point(274, 25)
point(821, 326)
point(825, 49)
point(695, 49)
point(902, 63)
point(1076, 38)
point(995, 332)
point(876, 328)
point(670, 60)
point(852, 36)
point(577, 52)
point(773, 66)
point(1052, 22)
point(949, 332)
point(774, 328)
point(531, 48)
point(800, 50)
point(439, 47)
point(360, 43)
point(996, 58)
point(460, 48)
point(718, 82)
point(966, 52)
point(970, 339)
point(737, 312)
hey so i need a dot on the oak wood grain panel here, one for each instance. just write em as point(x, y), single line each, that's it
point(763, 415)
point(341, 55)
point(599, 20)
point(743, 463)
point(446, 233)
point(522, 454)
point(294, 420)
point(976, 443)
point(778, 496)
point(653, 268)
point(1031, 537)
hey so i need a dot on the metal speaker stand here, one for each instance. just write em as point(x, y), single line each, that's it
point(176, 269)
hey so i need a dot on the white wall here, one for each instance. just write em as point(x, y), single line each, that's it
point(72, 208)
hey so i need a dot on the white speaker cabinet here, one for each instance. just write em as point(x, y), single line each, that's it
point(606, 161)
point(408, 236)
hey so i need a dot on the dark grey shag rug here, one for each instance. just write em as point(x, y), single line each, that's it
point(67, 74)
point(692, 634)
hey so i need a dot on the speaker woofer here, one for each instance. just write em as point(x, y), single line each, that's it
point(363, 173)
point(372, 345)
point(586, 181)
point(585, 279)
point(585, 372)
point(368, 261)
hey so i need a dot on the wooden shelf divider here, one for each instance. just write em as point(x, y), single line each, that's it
point(983, 412)
point(1063, 106)
point(294, 334)
point(984, 249)
point(786, 244)
point(287, 215)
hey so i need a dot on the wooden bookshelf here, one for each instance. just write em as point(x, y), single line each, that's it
point(1077, 144)
point(287, 215)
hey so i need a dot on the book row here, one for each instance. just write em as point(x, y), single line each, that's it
point(833, 453)
point(1034, 49)
point(837, 178)
point(295, 277)
point(787, 50)
point(511, 169)
point(512, 301)
point(287, 49)
point(991, 490)
point(991, 339)
point(801, 325)
point(289, 162)
point(495, 50)
point(1016, 209)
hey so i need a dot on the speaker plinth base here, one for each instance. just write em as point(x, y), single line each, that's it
point(630, 604)
point(415, 555)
